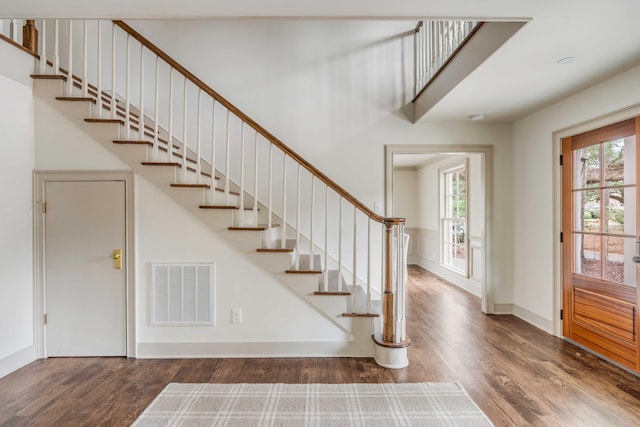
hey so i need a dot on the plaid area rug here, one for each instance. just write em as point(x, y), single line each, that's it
point(364, 405)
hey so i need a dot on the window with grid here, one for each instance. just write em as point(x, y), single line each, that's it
point(454, 218)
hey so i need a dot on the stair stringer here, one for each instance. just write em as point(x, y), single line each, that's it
point(359, 329)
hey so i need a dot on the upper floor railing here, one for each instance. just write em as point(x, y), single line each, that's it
point(435, 42)
point(215, 145)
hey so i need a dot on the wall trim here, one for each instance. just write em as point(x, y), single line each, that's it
point(487, 292)
point(526, 315)
point(556, 150)
point(459, 280)
point(152, 350)
point(17, 360)
point(39, 180)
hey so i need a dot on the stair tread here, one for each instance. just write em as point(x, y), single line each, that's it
point(259, 227)
point(223, 207)
point(360, 315)
point(75, 99)
point(118, 121)
point(191, 185)
point(48, 77)
point(132, 142)
point(336, 293)
point(161, 164)
point(304, 271)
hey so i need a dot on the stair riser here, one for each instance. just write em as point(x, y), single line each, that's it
point(48, 89)
point(186, 196)
point(132, 155)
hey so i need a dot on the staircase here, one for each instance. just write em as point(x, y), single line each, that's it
point(263, 198)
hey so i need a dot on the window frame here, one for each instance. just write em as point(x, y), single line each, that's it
point(443, 233)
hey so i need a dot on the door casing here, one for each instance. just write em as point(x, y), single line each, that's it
point(39, 180)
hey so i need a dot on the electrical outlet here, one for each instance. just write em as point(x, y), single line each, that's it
point(236, 315)
point(377, 207)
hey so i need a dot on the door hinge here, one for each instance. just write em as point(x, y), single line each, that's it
point(44, 319)
point(561, 314)
point(560, 159)
point(561, 237)
point(44, 207)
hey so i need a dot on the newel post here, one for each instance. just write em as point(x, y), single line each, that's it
point(390, 347)
point(30, 36)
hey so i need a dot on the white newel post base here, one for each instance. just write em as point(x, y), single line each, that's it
point(390, 355)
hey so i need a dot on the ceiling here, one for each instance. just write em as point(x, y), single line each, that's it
point(521, 77)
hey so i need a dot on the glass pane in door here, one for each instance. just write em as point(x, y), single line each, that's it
point(619, 162)
point(618, 264)
point(586, 167)
point(588, 260)
point(587, 211)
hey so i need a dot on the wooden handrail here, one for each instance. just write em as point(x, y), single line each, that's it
point(19, 46)
point(248, 120)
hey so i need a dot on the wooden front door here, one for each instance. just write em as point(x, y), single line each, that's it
point(600, 226)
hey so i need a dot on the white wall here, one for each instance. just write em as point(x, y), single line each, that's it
point(534, 163)
point(16, 248)
point(405, 196)
point(334, 92)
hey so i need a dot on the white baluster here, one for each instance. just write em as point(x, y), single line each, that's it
point(127, 90)
point(84, 59)
point(56, 47)
point(270, 186)
point(326, 239)
point(298, 225)
point(212, 190)
point(156, 111)
point(283, 227)
point(184, 132)
point(113, 71)
point(311, 257)
point(226, 164)
point(368, 265)
point(416, 44)
point(170, 139)
point(99, 71)
point(70, 64)
point(255, 180)
point(340, 245)
point(382, 268)
point(43, 46)
point(198, 137)
point(354, 279)
point(141, 114)
point(13, 30)
point(242, 174)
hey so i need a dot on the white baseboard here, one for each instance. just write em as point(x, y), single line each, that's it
point(151, 350)
point(469, 285)
point(526, 315)
point(17, 360)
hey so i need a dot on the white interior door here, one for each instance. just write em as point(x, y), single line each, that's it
point(84, 291)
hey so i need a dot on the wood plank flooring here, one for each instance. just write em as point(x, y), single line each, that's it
point(517, 374)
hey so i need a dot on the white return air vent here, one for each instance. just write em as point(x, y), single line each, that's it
point(183, 293)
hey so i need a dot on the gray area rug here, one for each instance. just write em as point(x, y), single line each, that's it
point(384, 405)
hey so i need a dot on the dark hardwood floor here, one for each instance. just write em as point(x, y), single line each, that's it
point(516, 373)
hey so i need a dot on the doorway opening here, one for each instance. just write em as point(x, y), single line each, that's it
point(445, 192)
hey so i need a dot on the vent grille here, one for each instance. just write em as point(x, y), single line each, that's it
point(183, 293)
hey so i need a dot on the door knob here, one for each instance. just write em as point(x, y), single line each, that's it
point(117, 257)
